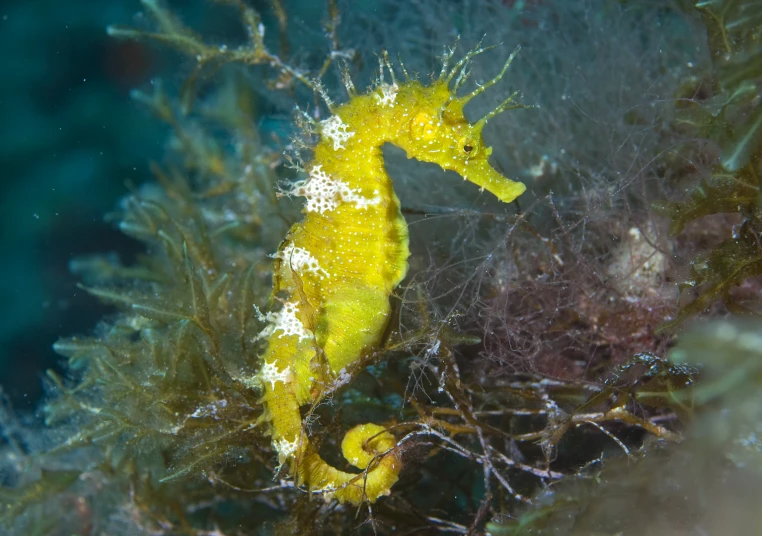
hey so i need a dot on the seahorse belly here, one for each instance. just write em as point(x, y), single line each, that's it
point(360, 251)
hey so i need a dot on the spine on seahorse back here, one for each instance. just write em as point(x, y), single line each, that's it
point(334, 271)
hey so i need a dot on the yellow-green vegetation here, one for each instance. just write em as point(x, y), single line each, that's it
point(724, 108)
point(716, 467)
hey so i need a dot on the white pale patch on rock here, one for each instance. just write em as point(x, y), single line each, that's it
point(300, 260)
point(335, 129)
point(285, 320)
point(269, 373)
point(324, 193)
point(637, 266)
point(209, 410)
point(388, 94)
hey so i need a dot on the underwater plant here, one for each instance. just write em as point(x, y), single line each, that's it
point(724, 108)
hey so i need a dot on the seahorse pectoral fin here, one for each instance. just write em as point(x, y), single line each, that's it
point(351, 323)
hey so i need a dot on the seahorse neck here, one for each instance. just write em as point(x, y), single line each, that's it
point(352, 138)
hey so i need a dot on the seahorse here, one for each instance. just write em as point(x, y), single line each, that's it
point(335, 271)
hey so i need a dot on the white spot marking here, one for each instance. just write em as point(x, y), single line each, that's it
point(324, 193)
point(336, 130)
point(270, 373)
point(284, 320)
point(300, 260)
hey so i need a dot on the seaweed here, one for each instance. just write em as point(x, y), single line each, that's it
point(702, 482)
point(724, 108)
point(172, 32)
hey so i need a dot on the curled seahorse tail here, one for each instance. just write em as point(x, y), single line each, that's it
point(371, 447)
point(368, 447)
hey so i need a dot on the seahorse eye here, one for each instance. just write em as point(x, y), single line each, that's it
point(469, 144)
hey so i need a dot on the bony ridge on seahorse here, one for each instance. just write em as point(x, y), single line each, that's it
point(334, 272)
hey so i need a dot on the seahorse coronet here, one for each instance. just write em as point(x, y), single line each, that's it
point(336, 269)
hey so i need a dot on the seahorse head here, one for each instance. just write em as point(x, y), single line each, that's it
point(438, 131)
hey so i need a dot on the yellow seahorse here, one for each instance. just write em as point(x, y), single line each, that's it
point(334, 271)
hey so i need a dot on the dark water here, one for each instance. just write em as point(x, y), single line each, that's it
point(70, 142)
